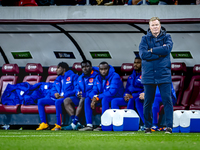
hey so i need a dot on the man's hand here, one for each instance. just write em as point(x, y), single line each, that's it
point(150, 50)
point(127, 97)
point(94, 101)
point(93, 105)
point(141, 96)
point(164, 45)
point(57, 95)
point(79, 94)
point(60, 97)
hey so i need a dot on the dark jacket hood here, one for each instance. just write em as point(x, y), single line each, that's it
point(110, 72)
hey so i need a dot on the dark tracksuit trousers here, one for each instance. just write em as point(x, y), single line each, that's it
point(165, 92)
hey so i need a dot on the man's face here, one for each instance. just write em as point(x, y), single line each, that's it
point(103, 69)
point(60, 71)
point(86, 68)
point(155, 27)
point(137, 65)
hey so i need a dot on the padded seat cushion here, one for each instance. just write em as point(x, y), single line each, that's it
point(33, 109)
point(9, 109)
point(29, 109)
point(179, 108)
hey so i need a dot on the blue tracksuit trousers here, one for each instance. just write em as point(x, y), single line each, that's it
point(130, 105)
point(105, 102)
point(48, 101)
point(117, 102)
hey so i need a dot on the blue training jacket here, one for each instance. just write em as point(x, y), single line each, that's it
point(134, 84)
point(13, 94)
point(37, 91)
point(70, 82)
point(110, 86)
point(24, 93)
point(156, 66)
point(85, 83)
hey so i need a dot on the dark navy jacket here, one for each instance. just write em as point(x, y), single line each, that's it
point(85, 83)
point(156, 66)
point(70, 82)
point(134, 84)
point(110, 86)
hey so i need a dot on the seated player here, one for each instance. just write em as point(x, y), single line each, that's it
point(84, 87)
point(133, 89)
point(107, 86)
point(64, 86)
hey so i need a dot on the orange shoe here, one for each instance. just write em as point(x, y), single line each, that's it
point(56, 128)
point(43, 126)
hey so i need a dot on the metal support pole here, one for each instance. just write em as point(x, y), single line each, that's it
point(87, 2)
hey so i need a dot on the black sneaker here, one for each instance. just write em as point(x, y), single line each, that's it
point(98, 129)
point(148, 131)
point(168, 131)
point(86, 129)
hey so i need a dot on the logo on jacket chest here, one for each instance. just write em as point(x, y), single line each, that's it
point(90, 81)
point(68, 80)
point(107, 85)
point(138, 80)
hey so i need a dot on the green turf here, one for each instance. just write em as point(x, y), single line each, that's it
point(74, 140)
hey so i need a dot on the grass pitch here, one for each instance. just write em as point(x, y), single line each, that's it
point(91, 140)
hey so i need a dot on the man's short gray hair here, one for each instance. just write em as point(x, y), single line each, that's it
point(153, 19)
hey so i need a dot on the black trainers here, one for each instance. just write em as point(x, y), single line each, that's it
point(148, 131)
point(86, 129)
point(168, 130)
point(98, 129)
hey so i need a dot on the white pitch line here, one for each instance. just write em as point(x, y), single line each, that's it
point(28, 135)
point(135, 135)
point(114, 134)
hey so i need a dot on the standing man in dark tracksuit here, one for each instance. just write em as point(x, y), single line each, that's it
point(154, 50)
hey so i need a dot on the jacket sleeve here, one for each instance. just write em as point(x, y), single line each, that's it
point(130, 88)
point(136, 95)
point(54, 90)
point(173, 94)
point(73, 91)
point(95, 90)
point(143, 51)
point(164, 50)
point(114, 85)
point(128, 84)
point(77, 88)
